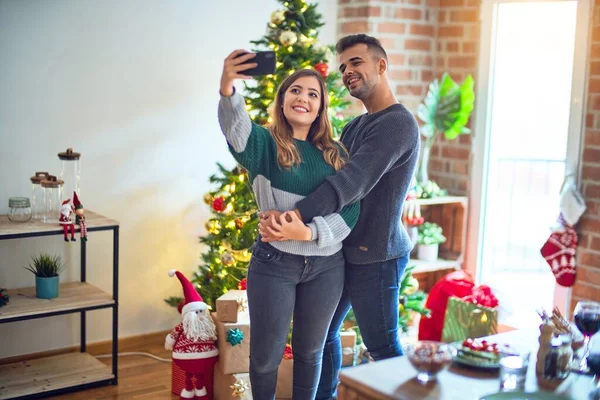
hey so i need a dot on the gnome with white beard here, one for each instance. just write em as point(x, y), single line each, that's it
point(193, 341)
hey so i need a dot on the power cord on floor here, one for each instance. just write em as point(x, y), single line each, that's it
point(137, 353)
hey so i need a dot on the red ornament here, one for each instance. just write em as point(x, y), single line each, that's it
point(323, 69)
point(287, 353)
point(217, 204)
point(242, 284)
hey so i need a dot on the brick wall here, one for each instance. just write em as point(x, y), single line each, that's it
point(428, 37)
point(407, 31)
point(588, 255)
point(456, 54)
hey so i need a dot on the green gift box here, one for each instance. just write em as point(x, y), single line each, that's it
point(468, 320)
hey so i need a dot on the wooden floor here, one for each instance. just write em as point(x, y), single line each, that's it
point(139, 377)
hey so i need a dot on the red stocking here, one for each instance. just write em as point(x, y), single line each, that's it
point(559, 252)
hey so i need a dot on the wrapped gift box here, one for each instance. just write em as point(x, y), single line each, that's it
point(178, 380)
point(232, 306)
point(284, 379)
point(231, 386)
point(348, 339)
point(233, 359)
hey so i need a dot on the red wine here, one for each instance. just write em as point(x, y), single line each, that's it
point(588, 322)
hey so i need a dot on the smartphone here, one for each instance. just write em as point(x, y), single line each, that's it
point(266, 64)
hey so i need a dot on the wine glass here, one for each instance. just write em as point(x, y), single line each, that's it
point(587, 319)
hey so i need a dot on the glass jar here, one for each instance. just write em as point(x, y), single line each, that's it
point(70, 173)
point(19, 209)
point(37, 195)
point(565, 357)
point(52, 199)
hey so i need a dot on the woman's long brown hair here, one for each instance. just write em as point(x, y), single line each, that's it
point(319, 134)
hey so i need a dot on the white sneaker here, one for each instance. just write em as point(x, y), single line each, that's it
point(187, 394)
point(201, 392)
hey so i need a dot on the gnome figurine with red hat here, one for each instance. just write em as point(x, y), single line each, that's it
point(65, 219)
point(79, 217)
point(193, 341)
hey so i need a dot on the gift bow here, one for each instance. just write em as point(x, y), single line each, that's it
point(239, 388)
point(483, 296)
point(242, 303)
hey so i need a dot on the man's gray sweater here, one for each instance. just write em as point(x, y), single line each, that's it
point(384, 149)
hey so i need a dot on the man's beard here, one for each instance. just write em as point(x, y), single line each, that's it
point(199, 326)
point(363, 91)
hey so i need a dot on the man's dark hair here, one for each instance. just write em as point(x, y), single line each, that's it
point(373, 44)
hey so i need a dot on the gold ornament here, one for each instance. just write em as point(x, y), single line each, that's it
point(240, 255)
point(239, 388)
point(213, 226)
point(412, 286)
point(239, 223)
point(208, 199)
point(227, 259)
point(277, 17)
point(288, 38)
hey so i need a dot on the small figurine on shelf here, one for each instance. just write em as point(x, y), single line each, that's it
point(79, 217)
point(65, 219)
point(193, 341)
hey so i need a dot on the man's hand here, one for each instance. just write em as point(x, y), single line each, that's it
point(264, 223)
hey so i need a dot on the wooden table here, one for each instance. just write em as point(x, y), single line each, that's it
point(396, 378)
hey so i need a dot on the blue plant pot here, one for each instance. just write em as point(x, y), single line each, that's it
point(46, 288)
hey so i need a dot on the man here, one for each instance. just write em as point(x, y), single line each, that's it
point(384, 148)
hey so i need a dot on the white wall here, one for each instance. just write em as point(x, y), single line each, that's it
point(133, 88)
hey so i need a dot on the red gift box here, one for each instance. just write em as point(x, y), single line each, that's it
point(178, 380)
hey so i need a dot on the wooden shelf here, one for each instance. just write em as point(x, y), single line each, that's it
point(44, 375)
point(11, 230)
point(73, 296)
point(443, 200)
point(429, 266)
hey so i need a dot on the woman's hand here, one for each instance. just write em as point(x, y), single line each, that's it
point(290, 227)
point(232, 66)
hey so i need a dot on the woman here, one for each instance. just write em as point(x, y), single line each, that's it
point(303, 276)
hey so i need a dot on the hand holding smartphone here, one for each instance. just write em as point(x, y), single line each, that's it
point(242, 64)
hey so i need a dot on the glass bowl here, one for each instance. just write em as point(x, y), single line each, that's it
point(430, 358)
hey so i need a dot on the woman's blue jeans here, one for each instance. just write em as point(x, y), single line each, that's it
point(372, 291)
point(281, 286)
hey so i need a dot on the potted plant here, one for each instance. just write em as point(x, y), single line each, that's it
point(430, 237)
point(46, 268)
point(446, 109)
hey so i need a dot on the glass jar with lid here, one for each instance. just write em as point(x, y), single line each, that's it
point(19, 209)
point(52, 198)
point(37, 195)
point(70, 172)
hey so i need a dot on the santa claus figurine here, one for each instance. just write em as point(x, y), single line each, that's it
point(193, 341)
point(65, 219)
point(79, 217)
